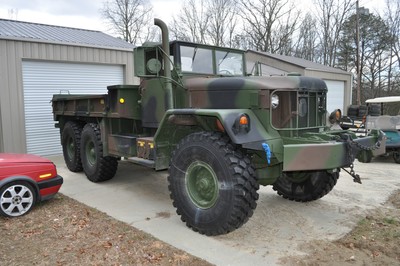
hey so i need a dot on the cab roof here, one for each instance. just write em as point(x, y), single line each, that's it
point(388, 99)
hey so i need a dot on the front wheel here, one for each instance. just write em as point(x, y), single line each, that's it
point(97, 167)
point(16, 199)
point(213, 186)
point(305, 186)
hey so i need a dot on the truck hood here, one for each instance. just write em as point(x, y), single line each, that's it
point(255, 83)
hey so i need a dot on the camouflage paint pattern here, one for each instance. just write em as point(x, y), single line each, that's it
point(300, 157)
point(215, 102)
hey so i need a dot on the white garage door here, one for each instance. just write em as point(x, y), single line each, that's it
point(43, 79)
point(335, 95)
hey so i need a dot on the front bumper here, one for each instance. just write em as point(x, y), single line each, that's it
point(48, 188)
point(304, 157)
point(330, 155)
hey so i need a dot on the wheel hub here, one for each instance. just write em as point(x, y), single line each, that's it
point(91, 153)
point(71, 147)
point(202, 184)
point(16, 200)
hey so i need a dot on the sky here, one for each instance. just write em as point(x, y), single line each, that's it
point(85, 14)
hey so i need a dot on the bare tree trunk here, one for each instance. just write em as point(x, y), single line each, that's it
point(270, 24)
point(392, 18)
point(130, 19)
point(192, 22)
point(333, 13)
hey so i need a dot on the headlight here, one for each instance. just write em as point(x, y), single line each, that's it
point(335, 116)
point(303, 107)
point(274, 101)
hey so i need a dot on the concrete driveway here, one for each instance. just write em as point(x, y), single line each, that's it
point(139, 196)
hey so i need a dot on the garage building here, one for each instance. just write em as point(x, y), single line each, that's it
point(38, 61)
point(339, 82)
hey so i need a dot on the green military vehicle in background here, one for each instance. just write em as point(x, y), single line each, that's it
point(219, 131)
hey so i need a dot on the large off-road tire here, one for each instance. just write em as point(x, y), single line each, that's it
point(305, 186)
point(396, 155)
point(213, 185)
point(71, 142)
point(362, 111)
point(97, 167)
point(16, 199)
point(352, 111)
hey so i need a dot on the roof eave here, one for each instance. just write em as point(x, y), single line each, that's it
point(24, 39)
point(339, 72)
point(302, 66)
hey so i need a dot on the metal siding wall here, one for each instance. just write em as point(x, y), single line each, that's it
point(12, 128)
point(3, 86)
point(42, 80)
point(12, 134)
point(1, 133)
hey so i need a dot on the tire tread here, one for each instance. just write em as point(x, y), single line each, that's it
point(244, 180)
point(106, 166)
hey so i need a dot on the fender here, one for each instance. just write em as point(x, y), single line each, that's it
point(251, 137)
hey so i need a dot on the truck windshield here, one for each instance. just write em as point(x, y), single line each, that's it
point(229, 63)
point(200, 60)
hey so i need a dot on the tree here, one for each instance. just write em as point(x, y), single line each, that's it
point(375, 39)
point(307, 44)
point(392, 18)
point(269, 24)
point(130, 19)
point(207, 21)
point(331, 15)
point(374, 55)
point(222, 22)
point(191, 23)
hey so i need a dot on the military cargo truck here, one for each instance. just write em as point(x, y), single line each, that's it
point(220, 131)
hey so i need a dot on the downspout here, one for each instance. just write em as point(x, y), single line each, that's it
point(166, 59)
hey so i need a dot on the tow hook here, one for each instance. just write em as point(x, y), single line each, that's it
point(356, 177)
point(351, 158)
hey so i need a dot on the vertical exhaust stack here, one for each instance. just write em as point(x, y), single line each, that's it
point(167, 67)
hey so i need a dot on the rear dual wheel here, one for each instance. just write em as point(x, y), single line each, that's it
point(71, 142)
point(97, 167)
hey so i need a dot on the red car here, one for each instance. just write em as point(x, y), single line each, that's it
point(25, 179)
